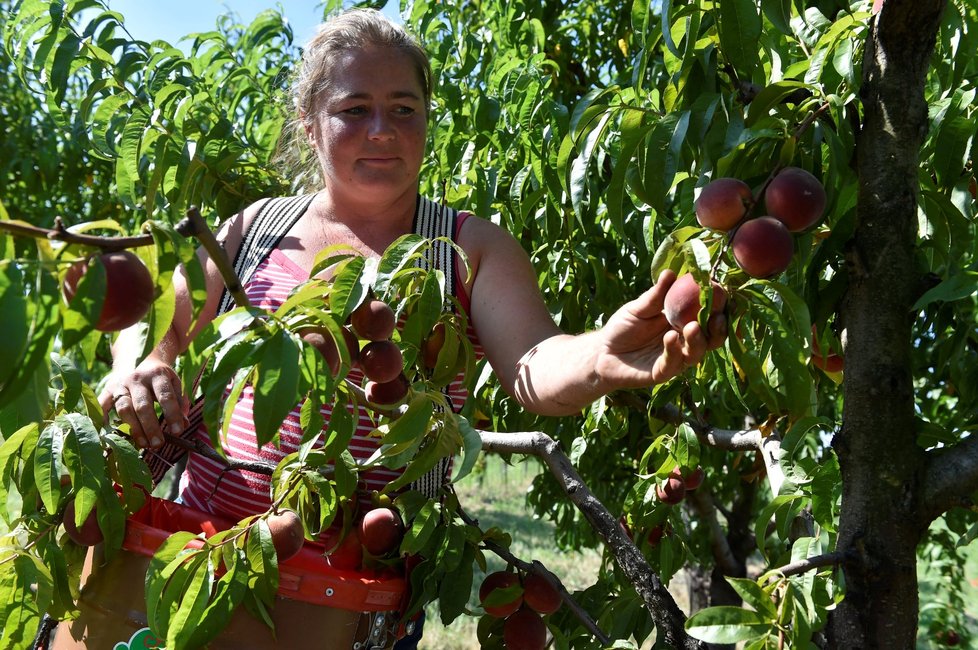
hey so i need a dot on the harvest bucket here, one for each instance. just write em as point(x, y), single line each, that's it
point(318, 606)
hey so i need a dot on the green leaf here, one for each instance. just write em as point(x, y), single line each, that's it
point(754, 597)
point(193, 603)
point(471, 448)
point(424, 524)
point(958, 286)
point(14, 321)
point(740, 30)
point(349, 288)
point(47, 466)
point(454, 590)
point(413, 423)
point(726, 625)
point(157, 613)
point(276, 386)
point(770, 96)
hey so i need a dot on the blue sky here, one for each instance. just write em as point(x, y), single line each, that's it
point(172, 19)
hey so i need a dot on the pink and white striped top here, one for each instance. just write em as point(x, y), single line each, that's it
point(243, 493)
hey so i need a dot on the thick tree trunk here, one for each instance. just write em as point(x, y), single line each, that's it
point(881, 519)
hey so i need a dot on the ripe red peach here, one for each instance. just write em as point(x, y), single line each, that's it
point(795, 198)
point(500, 580)
point(682, 302)
point(387, 393)
point(672, 490)
point(763, 247)
point(380, 531)
point(373, 320)
point(88, 534)
point(525, 630)
point(540, 595)
point(693, 478)
point(320, 338)
point(722, 203)
point(129, 290)
point(432, 346)
point(830, 362)
point(287, 533)
point(381, 361)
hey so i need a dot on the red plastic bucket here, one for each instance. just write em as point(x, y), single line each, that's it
point(318, 605)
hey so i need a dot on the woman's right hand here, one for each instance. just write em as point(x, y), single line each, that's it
point(133, 396)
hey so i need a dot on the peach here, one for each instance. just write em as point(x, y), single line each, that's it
point(287, 533)
point(539, 595)
point(387, 393)
point(763, 247)
point(88, 534)
point(525, 630)
point(380, 531)
point(722, 203)
point(503, 580)
point(129, 290)
point(373, 320)
point(672, 491)
point(682, 302)
point(381, 361)
point(795, 198)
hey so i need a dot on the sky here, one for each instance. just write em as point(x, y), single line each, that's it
point(172, 19)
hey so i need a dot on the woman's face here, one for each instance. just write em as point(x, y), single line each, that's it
point(369, 128)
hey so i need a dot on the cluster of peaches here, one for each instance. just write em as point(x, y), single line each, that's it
point(380, 359)
point(762, 246)
point(521, 601)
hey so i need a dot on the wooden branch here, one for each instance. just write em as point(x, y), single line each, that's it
point(668, 617)
point(751, 440)
point(61, 233)
point(194, 225)
point(810, 563)
point(950, 478)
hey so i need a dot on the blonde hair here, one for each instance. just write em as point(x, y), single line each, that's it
point(355, 29)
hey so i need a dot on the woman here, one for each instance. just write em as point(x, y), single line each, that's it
point(362, 94)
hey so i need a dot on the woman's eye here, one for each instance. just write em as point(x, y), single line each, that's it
point(404, 110)
point(356, 110)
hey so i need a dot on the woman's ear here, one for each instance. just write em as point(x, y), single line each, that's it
point(308, 127)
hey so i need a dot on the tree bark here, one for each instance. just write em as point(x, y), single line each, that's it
point(881, 464)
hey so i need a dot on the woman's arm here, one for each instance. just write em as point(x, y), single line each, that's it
point(553, 373)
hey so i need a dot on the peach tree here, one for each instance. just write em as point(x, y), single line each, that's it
point(807, 163)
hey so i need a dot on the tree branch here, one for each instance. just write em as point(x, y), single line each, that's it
point(750, 440)
point(950, 477)
point(61, 233)
point(668, 617)
point(809, 563)
point(194, 225)
point(702, 503)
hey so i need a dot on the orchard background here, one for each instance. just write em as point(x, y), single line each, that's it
point(587, 129)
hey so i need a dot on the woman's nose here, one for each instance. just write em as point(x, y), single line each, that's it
point(380, 126)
